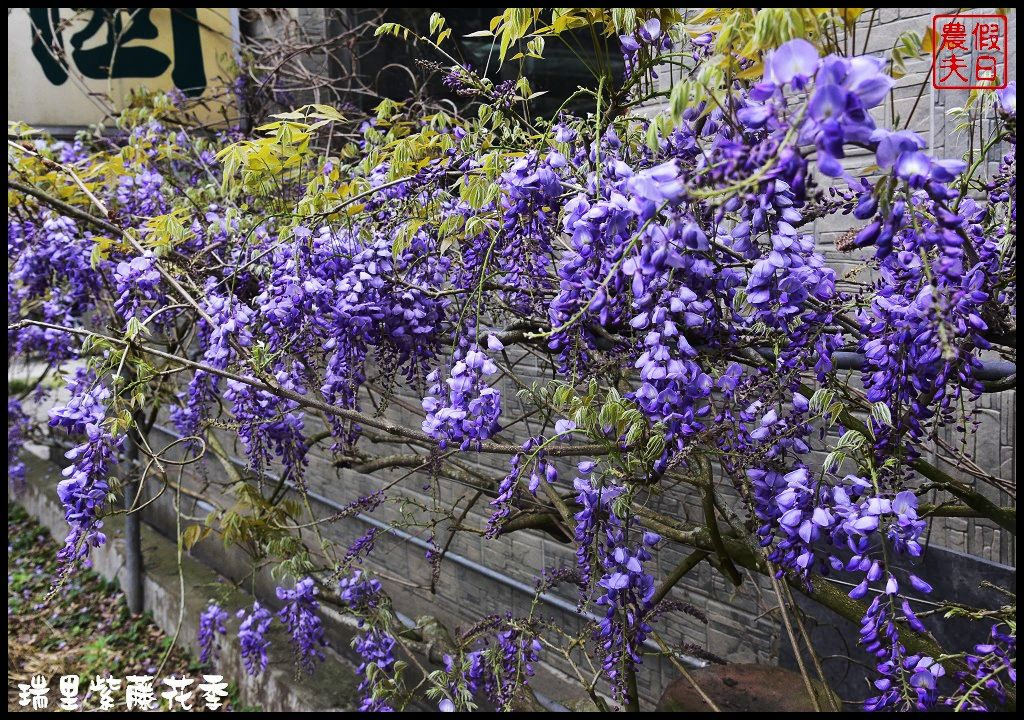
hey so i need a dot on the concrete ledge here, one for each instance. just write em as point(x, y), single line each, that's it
point(280, 688)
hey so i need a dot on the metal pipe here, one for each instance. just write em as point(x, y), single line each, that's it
point(546, 598)
point(990, 370)
point(132, 586)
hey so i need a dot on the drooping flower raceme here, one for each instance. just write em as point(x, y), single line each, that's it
point(83, 491)
point(17, 426)
point(463, 409)
point(211, 623)
point(375, 645)
point(252, 637)
point(304, 625)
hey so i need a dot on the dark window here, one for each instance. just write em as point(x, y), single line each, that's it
point(567, 63)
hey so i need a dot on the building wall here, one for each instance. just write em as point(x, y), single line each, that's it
point(190, 51)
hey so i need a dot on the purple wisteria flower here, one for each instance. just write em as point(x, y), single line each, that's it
point(375, 645)
point(1007, 98)
point(211, 623)
point(463, 409)
point(17, 427)
point(299, 615)
point(252, 638)
point(794, 62)
point(138, 285)
point(650, 35)
point(499, 670)
point(992, 670)
point(83, 491)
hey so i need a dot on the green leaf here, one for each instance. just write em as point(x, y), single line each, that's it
point(820, 400)
point(192, 535)
point(851, 439)
point(881, 413)
point(834, 460)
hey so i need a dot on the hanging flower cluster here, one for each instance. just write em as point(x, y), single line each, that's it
point(83, 491)
point(304, 625)
point(465, 412)
point(252, 637)
point(376, 646)
point(211, 624)
point(18, 424)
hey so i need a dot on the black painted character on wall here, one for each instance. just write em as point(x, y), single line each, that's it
point(115, 58)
